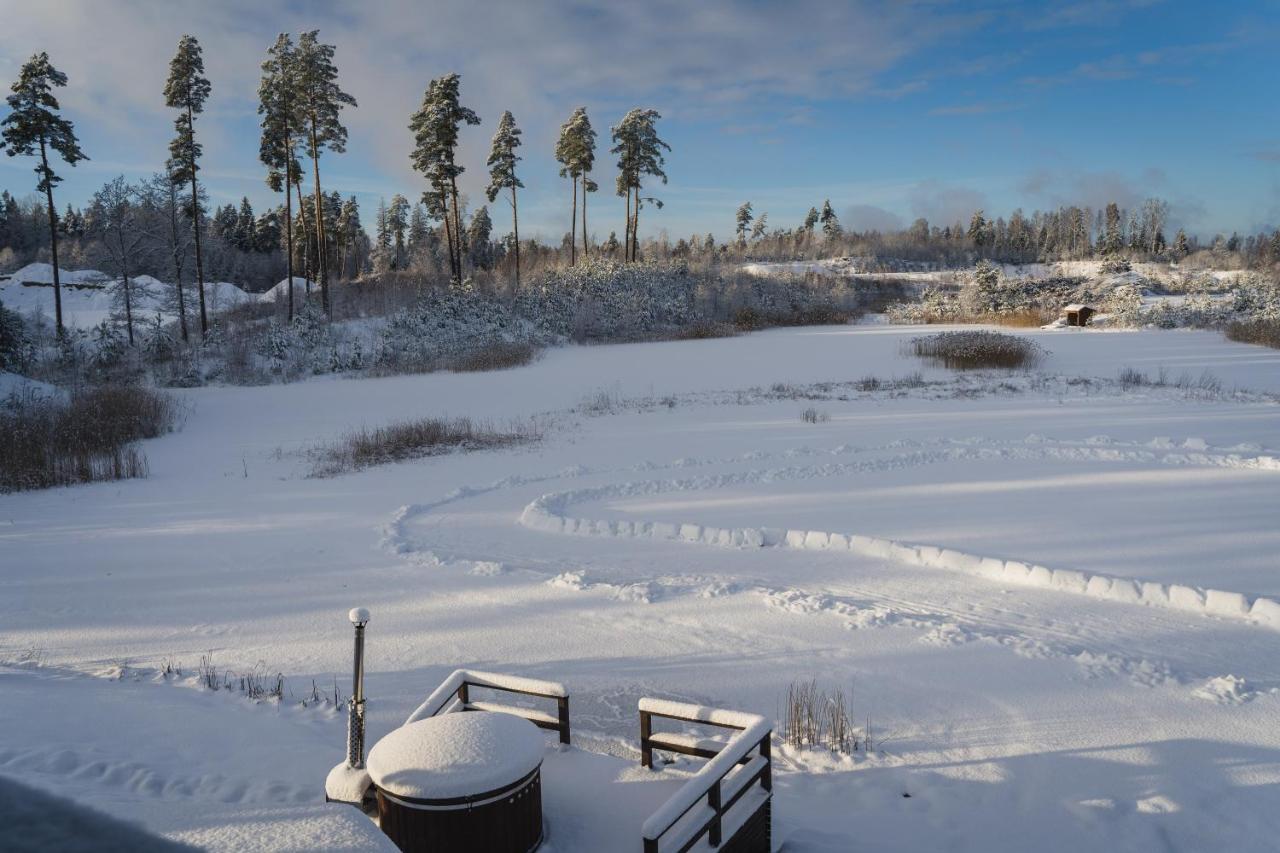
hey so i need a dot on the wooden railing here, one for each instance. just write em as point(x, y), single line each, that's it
point(455, 695)
point(738, 774)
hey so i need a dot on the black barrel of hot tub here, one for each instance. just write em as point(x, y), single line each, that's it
point(508, 820)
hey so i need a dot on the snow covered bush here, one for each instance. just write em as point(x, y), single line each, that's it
point(446, 326)
point(602, 299)
point(16, 349)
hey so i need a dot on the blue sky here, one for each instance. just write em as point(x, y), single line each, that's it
point(892, 110)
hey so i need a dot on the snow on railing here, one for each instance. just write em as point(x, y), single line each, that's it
point(458, 686)
point(709, 784)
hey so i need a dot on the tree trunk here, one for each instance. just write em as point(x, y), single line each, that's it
point(635, 229)
point(177, 267)
point(321, 248)
point(288, 220)
point(626, 230)
point(457, 223)
point(53, 238)
point(448, 235)
point(195, 220)
point(128, 305)
point(573, 225)
point(306, 241)
point(584, 217)
point(515, 230)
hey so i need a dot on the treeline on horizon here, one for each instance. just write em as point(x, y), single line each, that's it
point(164, 226)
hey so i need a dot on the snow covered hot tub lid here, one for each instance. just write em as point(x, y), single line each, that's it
point(457, 755)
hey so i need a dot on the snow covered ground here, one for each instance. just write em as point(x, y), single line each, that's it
point(87, 299)
point(1084, 717)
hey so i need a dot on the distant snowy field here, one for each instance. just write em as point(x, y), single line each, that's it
point(1098, 718)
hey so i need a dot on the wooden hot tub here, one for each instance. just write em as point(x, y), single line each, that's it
point(461, 782)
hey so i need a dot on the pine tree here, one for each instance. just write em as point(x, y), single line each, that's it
point(639, 153)
point(34, 127)
point(320, 100)
point(830, 224)
point(352, 232)
point(757, 230)
point(502, 174)
point(186, 90)
point(479, 240)
point(435, 129)
point(281, 125)
point(743, 222)
point(811, 220)
point(397, 224)
point(244, 226)
point(1113, 236)
point(576, 153)
point(977, 232)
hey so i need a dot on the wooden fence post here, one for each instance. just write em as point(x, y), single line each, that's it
point(562, 703)
point(713, 800)
point(646, 729)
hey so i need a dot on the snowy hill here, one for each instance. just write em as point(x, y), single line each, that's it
point(87, 298)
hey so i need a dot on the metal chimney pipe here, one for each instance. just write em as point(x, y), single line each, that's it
point(355, 705)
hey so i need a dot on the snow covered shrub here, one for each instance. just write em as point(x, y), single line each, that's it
point(16, 348)
point(1124, 304)
point(86, 437)
point(448, 325)
point(602, 299)
point(1114, 266)
point(977, 349)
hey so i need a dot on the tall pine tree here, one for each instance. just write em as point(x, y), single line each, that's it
point(186, 90)
point(576, 153)
point(281, 124)
point(320, 100)
point(435, 129)
point(639, 151)
point(34, 127)
point(502, 173)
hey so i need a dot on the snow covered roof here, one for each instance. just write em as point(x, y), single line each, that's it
point(455, 755)
point(1076, 306)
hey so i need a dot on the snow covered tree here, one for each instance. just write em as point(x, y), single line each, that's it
point(186, 90)
point(502, 173)
point(435, 129)
point(742, 221)
point(245, 222)
point(830, 224)
point(1180, 246)
point(1113, 235)
point(1154, 213)
point(320, 100)
point(34, 127)
point(757, 230)
point(118, 223)
point(173, 237)
point(397, 224)
point(576, 153)
point(639, 151)
point(352, 240)
point(281, 125)
point(479, 239)
point(811, 220)
point(978, 229)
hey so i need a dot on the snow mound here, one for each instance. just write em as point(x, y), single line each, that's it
point(1225, 690)
point(455, 755)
